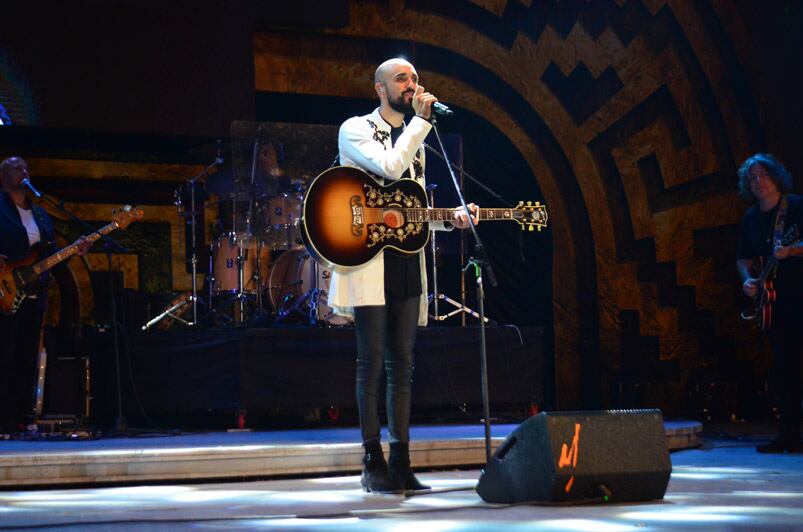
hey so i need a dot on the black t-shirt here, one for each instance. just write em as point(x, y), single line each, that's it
point(755, 240)
point(402, 270)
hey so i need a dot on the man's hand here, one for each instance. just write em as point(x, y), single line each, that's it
point(83, 246)
point(422, 103)
point(461, 218)
point(750, 287)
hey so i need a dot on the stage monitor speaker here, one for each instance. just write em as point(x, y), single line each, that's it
point(615, 455)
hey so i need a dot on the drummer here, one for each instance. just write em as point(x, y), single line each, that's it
point(237, 195)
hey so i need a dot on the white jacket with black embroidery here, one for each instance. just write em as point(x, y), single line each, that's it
point(364, 142)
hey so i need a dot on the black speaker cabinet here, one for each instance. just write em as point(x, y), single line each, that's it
point(66, 387)
point(617, 455)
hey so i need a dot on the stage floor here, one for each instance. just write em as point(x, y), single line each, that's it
point(723, 485)
point(242, 455)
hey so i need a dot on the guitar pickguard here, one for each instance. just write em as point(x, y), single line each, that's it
point(379, 232)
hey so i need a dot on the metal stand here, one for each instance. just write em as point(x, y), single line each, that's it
point(193, 298)
point(479, 264)
point(436, 296)
point(110, 244)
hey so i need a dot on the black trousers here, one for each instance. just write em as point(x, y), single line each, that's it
point(787, 354)
point(386, 334)
point(19, 351)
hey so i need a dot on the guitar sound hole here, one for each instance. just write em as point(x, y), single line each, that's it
point(393, 219)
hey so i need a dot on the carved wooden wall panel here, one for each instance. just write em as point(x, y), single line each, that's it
point(632, 117)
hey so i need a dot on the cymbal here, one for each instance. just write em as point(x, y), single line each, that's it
point(225, 184)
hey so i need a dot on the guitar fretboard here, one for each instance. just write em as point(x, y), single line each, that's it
point(68, 251)
point(425, 214)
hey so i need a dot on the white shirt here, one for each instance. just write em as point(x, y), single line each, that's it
point(26, 215)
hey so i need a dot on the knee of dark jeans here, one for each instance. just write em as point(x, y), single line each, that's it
point(368, 373)
point(399, 373)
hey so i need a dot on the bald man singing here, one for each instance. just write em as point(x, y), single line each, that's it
point(387, 297)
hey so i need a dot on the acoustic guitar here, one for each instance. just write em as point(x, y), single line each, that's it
point(348, 217)
point(20, 278)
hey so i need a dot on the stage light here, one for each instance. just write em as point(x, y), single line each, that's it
point(335, 480)
point(769, 494)
point(580, 525)
point(317, 496)
point(675, 515)
point(317, 524)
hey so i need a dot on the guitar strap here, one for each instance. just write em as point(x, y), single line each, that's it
point(780, 219)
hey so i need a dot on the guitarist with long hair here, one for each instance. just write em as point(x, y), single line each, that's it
point(765, 232)
point(387, 296)
point(22, 226)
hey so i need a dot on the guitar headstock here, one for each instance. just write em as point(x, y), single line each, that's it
point(125, 215)
point(531, 216)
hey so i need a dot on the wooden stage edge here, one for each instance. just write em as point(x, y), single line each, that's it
point(253, 455)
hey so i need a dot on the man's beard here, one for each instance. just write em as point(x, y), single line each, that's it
point(400, 106)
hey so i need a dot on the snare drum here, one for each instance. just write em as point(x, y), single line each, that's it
point(292, 276)
point(224, 266)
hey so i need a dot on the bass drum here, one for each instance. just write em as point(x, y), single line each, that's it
point(291, 278)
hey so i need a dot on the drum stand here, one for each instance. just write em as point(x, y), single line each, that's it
point(436, 296)
point(193, 298)
point(240, 298)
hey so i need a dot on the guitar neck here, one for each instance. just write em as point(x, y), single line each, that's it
point(447, 214)
point(68, 251)
point(765, 272)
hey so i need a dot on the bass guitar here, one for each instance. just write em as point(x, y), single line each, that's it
point(348, 218)
point(20, 277)
point(761, 311)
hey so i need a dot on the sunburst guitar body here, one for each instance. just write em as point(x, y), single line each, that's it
point(348, 217)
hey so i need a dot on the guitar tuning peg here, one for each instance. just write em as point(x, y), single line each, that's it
point(531, 228)
point(529, 203)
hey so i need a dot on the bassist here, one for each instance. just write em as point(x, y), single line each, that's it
point(22, 225)
point(764, 180)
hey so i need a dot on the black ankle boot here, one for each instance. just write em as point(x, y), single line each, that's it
point(399, 467)
point(375, 470)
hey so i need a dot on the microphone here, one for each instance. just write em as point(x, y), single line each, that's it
point(441, 109)
point(28, 184)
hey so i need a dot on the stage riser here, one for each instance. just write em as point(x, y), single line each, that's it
point(148, 463)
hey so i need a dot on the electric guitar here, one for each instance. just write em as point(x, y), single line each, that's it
point(348, 218)
point(761, 311)
point(20, 278)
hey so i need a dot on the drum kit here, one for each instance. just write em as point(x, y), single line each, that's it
point(258, 263)
point(258, 268)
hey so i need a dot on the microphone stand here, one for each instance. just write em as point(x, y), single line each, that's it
point(110, 244)
point(464, 173)
point(479, 263)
